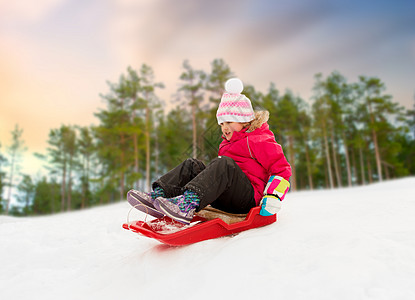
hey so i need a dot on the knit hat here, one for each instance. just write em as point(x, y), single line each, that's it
point(234, 106)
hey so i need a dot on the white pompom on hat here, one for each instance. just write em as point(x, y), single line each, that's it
point(234, 86)
point(234, 106)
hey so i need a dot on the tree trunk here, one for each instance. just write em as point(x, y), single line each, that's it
point(326, 178)
point(122, 175)
point(326, 147)
point(136, 160)
point(369, 171)
point(362, 166)
point(63, 186)
point(336, 166)
point(377, 154)
point(292, 163)
point(310, 178)
point(353, 165)
point(52, 197)
point(156, 162)
point(386, 171)
point(136, 152)
point(148, 185)
point(9, 193)
point(346, 155)
point(194, 131)
point(26, 207)
point(375, 143)
point(83, 182)
point(87, 178)
point(69, 203)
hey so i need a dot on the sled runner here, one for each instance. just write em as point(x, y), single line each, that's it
point(207, 224)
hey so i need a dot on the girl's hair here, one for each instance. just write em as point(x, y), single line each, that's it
point(247, 124)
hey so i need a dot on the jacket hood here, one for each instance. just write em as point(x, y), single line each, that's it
point(261, 117)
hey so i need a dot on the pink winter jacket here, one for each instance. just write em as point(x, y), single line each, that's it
point(257, 153)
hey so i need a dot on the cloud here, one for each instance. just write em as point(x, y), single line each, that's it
point(22, 10)
point(229, 26)
point(164, 33)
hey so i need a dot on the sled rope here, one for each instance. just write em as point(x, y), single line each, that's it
point(135, 206)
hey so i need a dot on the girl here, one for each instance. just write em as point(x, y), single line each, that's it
point(251, 168)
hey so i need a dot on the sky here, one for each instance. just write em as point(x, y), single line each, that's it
point(56, 56)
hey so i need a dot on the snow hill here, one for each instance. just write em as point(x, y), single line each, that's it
point(350, 243)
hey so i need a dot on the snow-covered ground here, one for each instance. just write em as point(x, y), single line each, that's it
point(350, 243)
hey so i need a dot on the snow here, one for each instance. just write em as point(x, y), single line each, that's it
point(349, 243)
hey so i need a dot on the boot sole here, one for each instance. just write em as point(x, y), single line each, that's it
point(161, 208)
point(142, 205)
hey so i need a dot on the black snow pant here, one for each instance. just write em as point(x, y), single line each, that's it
point(221, 183)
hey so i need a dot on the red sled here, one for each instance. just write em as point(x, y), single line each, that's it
point(173, 233)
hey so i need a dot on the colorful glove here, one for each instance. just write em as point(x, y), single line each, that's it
point(274, 193)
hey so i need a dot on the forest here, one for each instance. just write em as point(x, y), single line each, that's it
point(346, 134)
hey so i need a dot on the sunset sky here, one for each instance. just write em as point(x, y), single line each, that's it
point(57, 55)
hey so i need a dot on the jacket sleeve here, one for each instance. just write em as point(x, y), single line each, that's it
point(270, 155)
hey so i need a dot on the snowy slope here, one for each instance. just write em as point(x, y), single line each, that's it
point(351, 243)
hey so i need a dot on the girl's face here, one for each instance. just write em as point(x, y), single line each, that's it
point(229, 127)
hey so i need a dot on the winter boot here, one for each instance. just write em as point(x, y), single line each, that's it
point(180, 208)
point(145, 201)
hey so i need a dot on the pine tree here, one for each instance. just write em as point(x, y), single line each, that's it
point(335, 99)
point(407, 141)
point(411, 119)
point(132, 90)
point(62, 152)
point(86, 150)
point(3, 161)
point(289, 112)
point(304, 141)
point(269, 103)
point(150, 101)
point(130, 104)
point(193, 81)
point(113, 135)
point(70, 148)
point(379, 110)
point(321, 114)
point(342, 103)
point(174, 137)
point(26, 190)
point(15, 151)
point(216, 79)
point(46, 197)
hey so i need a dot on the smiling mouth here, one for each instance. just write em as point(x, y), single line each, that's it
point(228, 135)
